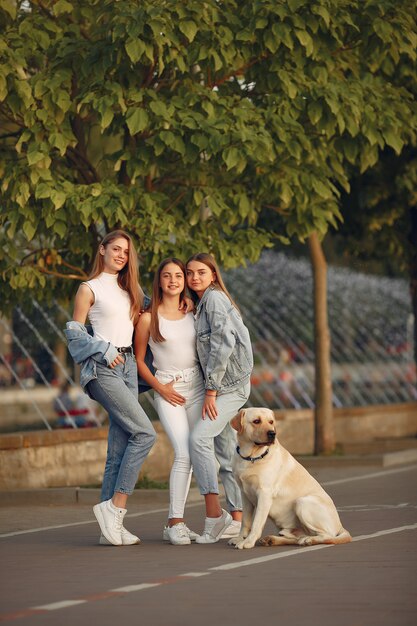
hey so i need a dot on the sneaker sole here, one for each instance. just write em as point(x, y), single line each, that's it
point(165, 538)
point(99, 517)
point(217, 537)
point(105, 542)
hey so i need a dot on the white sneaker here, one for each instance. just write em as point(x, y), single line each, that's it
point(110, 519)
point(233, 530)
point(192, 535)
point(128, 539)
point(214, 527)
point(178, 535)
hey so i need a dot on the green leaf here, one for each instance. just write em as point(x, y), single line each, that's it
point(271, 41)
point(3, 87)
point(393, 140)
point(231, 156)
point(137, 120)
point(188, 28)
point(305, 39)
point(42, 191)
point(106, 118)
point(314, 112)
point(321, 189)
point(60, 228)
point(135, 49)
point(61, 7)
point(29, 230)
point(58, 198)
point(10, 7)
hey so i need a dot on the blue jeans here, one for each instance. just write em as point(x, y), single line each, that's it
point(216, 438)
point(131, 434)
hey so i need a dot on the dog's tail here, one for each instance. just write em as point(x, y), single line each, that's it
point(343, 536)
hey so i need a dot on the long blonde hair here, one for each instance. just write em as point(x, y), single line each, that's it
point(210, 261)
point(128, 277)
point(157, 296)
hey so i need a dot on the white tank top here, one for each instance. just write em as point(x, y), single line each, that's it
point(110, 313)
point(178, 351)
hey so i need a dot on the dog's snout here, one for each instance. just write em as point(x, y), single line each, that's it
point(271, 435)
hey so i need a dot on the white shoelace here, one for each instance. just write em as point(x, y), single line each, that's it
point(118, 521)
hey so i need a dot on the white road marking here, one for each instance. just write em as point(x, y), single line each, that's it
point(373, 475)
point(162, 510)
point(130, 588)
point(302, 550)
point(226, 566)
point(59, 605)
point(90, 521)
point(359, 508)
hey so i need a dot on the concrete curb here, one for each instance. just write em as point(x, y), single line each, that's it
point(67, 496)
point(160, 497)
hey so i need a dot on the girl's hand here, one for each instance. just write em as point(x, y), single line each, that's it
point(209, 407)
point(170, 395)
point(119, 360)
point(186, 305)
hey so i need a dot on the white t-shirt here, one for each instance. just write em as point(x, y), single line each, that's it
point(110, 313)
point(178, 351)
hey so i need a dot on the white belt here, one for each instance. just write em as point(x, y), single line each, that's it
point(178, 375)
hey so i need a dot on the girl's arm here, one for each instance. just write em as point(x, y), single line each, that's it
point(142, 334)
point(84, 300)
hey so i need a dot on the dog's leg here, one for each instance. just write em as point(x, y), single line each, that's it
point(343, 536)
point(286, 537)
point(247, 516)
point(321, 520)
point(263, 507)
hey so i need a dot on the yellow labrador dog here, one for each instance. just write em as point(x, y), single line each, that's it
point(275, 485)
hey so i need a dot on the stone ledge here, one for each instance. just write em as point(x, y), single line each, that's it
point(40, 438)
point(71, 457)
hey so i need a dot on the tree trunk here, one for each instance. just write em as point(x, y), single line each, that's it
point(413, 274)
point(324, 441)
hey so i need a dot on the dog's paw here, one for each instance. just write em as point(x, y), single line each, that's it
point(305, 541)
point(266, 541)
point(244, 544)
point(234, 540)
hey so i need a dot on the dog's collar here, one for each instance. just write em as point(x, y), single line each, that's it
point(252, 459)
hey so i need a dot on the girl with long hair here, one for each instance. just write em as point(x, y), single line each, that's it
point(225, 355)
point(178, 382)
point(112, 300)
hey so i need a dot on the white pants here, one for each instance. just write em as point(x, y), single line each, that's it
point(178, 421)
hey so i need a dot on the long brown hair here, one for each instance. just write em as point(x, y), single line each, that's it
point(157, 296)
point(128, 277)
point(210, 261)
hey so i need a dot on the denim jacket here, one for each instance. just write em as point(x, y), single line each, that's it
point(86, 350)
point(223, 342)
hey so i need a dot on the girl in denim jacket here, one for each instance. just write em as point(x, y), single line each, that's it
point(225, 354)
point(112, 299)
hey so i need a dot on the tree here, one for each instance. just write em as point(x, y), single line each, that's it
point(380, 219)
point(184, 121)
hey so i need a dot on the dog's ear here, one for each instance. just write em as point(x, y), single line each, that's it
point(236, 422)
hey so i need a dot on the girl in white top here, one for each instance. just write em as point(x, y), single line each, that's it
point(112, 300)
point(178, 382)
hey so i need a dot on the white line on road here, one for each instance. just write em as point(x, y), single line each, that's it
point(293, 552)
point(130, 588)
point(373, 475)
point(162, 510)
point(59, 605)
point(226, 566)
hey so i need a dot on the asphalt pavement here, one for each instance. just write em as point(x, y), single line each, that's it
point(55, 573)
